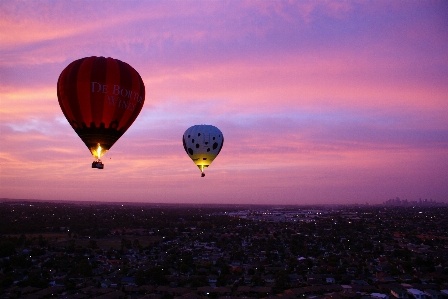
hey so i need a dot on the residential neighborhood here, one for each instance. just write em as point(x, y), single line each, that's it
point(98, 250)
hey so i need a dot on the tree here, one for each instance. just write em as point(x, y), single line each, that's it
point(7, 248)
point(140, 277)
point(136, 244)
point(92, 244)
point(83, 268)
point(281, 281)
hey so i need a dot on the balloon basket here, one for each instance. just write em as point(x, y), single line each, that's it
point(97, 164)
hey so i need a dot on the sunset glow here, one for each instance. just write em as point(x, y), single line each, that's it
point(319, 101)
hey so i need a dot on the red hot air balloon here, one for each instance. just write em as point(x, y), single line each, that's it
point(100, 97)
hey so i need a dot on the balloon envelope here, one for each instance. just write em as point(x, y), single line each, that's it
point(100, 97)
point(203, 143)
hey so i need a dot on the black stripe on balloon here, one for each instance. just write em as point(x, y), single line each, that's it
point(93, 135)
point(126, 83)
point(98, 74)
point(71, 90)
point(138, 106)
point(61, 79)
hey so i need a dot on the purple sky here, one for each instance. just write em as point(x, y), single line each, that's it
point(319, 101)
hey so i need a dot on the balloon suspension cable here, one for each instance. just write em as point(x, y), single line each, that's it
point(202, 171)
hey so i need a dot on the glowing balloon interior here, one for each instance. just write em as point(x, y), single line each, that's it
point(203, 143)
point(100, 97)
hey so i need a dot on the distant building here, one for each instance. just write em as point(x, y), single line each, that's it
point(399, 294)
point(433, 294)
point(417, 293)
point(379, 295)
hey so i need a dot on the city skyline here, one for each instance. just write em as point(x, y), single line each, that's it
point(319, 102)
